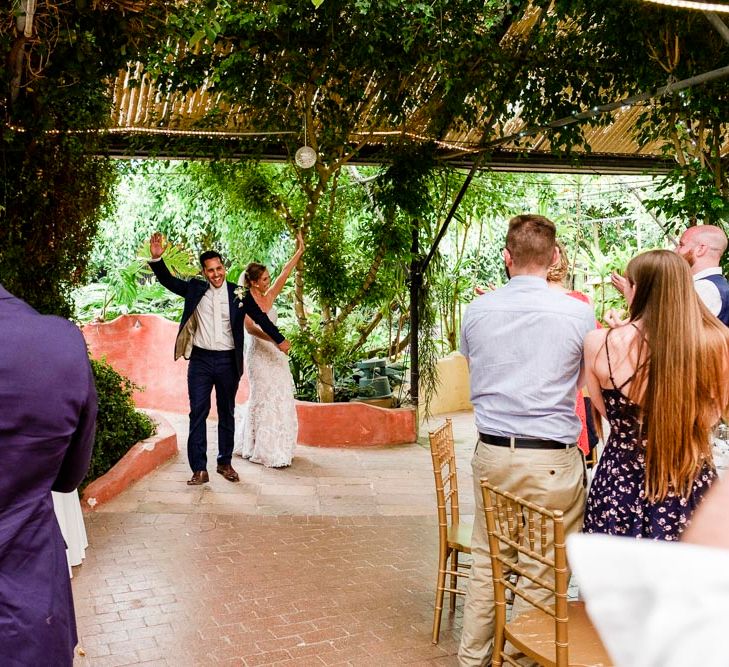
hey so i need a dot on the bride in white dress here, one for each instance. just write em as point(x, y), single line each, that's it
point(266, 427)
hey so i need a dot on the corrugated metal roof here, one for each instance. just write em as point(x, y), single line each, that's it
point(140, 108)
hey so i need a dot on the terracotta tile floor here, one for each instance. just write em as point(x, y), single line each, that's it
point(331, 561)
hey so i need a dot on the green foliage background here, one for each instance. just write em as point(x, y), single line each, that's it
point(601, 221)
point(53, 198)
point(55, 186)
point(465, 64)
point(118, 425)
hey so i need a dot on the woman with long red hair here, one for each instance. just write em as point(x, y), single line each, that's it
point(661, 381)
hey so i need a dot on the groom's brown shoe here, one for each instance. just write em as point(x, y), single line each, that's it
point(198, 477)
point(226, 470)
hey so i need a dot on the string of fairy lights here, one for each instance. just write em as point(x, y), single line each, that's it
point(693, 4)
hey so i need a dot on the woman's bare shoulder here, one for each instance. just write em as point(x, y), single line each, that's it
point(595, 338)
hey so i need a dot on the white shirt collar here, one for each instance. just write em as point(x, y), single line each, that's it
point(711, 271)
point(528, 279)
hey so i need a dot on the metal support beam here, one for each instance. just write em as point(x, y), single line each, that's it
point(454, 207)
point(417, 272)
point(416, 281)
point(720, 26)
point(713, 75)
point(127, 148)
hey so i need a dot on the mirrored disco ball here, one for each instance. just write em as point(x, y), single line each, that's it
point(305, 157)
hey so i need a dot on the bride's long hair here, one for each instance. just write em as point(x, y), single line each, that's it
point(681, 378)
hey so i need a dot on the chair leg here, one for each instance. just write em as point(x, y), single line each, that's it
point(454, 578)
point(496, 658)
point(440, 585)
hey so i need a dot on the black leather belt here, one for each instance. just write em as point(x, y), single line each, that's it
point(522, 443)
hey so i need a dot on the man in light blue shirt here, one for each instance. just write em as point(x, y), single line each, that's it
point(523, 344)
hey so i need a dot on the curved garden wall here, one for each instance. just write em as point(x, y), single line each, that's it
point(141, 347)
point(142, 458)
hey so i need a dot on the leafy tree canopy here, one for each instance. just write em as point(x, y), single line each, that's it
point(349, 67)
point(54, 188)
point(616, 49)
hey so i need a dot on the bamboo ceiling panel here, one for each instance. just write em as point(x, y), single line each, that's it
point(140, 107)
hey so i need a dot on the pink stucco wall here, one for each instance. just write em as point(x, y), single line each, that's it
point(142, 348)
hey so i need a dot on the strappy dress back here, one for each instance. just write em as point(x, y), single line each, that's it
point(616, 504)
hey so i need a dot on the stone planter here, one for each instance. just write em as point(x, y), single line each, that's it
point(354, 425)
point(141, 459)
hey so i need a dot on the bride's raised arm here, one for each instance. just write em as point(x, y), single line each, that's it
point(280, 281)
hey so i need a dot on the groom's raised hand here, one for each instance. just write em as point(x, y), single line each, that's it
point(284, 346)
point(157, 245)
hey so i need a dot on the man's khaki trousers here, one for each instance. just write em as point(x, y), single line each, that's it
point(552, 478)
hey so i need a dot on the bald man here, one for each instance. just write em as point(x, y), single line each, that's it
point(702, 247)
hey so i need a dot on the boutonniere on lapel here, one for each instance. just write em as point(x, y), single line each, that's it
point(239, 294)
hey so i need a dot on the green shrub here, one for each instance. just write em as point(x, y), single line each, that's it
point(119, 425)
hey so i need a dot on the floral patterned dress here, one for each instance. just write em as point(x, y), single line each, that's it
point(616, 504)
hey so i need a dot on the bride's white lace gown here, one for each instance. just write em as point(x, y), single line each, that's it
point(266, 426)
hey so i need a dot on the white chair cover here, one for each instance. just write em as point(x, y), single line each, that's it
point(655, 604)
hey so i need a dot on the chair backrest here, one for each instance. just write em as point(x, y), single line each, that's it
point(518, 528)
point(443, 452)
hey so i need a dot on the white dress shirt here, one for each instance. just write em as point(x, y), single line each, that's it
point(213, 320)
point(707, 290)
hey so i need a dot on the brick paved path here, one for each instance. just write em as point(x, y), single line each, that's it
point(329, 562)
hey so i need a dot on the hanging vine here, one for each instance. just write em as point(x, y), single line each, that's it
point(55, 59)
point(428, 345)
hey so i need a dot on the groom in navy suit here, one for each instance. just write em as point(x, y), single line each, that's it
point(211, 337)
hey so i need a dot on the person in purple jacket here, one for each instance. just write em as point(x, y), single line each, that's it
point(47, 425)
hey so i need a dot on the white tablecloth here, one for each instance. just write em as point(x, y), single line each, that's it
point(71, 520)
point(655, 604)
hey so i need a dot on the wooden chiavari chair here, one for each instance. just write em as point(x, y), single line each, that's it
point(454, 536)
point(555, 632)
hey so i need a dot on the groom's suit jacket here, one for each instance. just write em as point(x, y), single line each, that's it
point(192, 291)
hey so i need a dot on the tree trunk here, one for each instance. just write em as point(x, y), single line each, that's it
point(16, 64)
point(325, 383)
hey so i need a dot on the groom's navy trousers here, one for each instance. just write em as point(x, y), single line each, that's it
point(210, 369)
